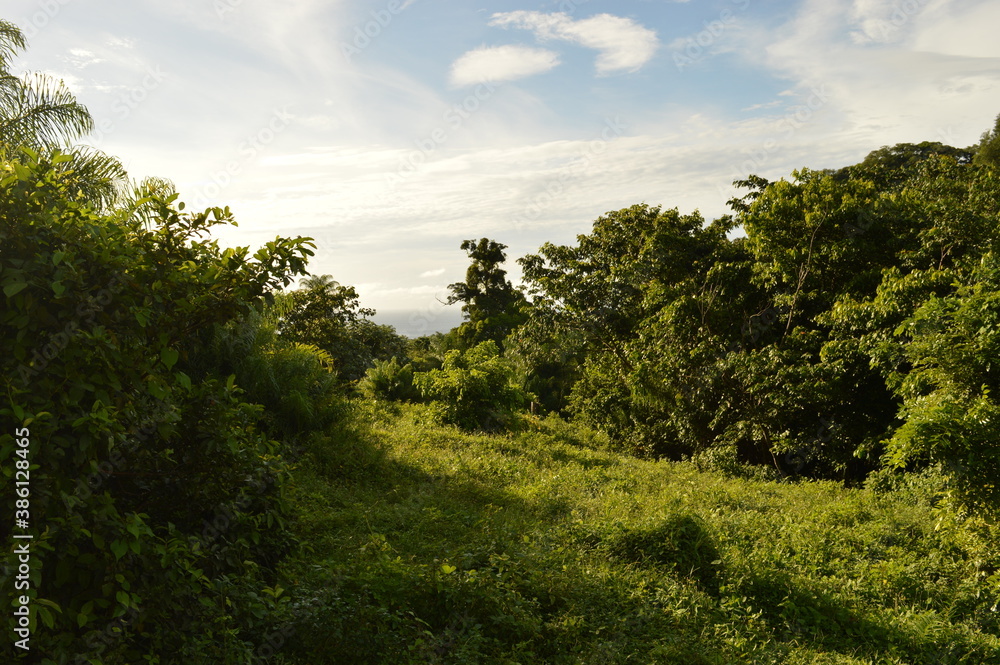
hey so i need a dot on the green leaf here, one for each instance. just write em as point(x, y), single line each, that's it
point(183, 379)
point(45, 616)
point(119, 547)
point(169, 357)
point(13, 289)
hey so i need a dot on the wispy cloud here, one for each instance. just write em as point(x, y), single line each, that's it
point(501, 63)
point(624, 45)
point(890, 70)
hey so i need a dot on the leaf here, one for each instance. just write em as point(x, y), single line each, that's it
point(13, 289)
point(183, 379)
point(169, 357)
point(447, 570)
point(46, 617)
point(119, 547)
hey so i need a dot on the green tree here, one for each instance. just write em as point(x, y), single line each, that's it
point(329, 316)
point(988, 150)
point(607, 291)
point(950, 410)
point(491, 305)
point(42, 115)
point(155, 495)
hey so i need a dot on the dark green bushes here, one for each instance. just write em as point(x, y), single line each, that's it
point(155, 495)
point(474, 389)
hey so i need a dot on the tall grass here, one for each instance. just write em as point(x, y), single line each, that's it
point(428, 545)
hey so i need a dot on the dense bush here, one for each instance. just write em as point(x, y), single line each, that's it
point(388, 380)
point(155, 497)
point(474, 389)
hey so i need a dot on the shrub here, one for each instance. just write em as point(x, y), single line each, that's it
point(388, 380)
point(155, 498)
point(473, 389)
point(680, 543)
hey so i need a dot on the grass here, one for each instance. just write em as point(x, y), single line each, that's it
point(423, 544)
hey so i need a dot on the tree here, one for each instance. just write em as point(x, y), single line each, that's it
point(42, 115)
point(988, 151)
point(950, 410)
point(492, 306)
point(329, 316)
point(606, 294)
point(156, 497)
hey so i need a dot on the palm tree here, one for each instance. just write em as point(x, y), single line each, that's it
point(41, 115)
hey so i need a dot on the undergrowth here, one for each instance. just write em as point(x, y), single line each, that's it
point(422, 544)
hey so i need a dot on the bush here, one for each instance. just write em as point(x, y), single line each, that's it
point(155, 499)
point(473, 389)
point(388, 380)
point(680, 543)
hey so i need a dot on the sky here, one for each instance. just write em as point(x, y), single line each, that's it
point(392, 130)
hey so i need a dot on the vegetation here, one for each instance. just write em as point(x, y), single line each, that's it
point(428, 545)
point(768, 438)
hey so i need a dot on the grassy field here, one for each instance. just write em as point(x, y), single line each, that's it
point(422, 544)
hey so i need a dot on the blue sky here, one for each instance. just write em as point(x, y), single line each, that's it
point(391, 130)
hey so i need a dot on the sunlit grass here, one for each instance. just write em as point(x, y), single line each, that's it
point(428, 545)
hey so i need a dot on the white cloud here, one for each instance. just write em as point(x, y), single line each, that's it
point(879, 21)
point(969, 31)
point(501, 63)
point(433, 273)
point(624, 45)
point(934, 76)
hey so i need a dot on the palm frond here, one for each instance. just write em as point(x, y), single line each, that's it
point(97, 176)
point(43, 113)
point(11, 42)
point(133, 198)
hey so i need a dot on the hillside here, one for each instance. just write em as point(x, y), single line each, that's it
point(427, 545)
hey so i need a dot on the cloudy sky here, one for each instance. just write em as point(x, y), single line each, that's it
point(391, 130)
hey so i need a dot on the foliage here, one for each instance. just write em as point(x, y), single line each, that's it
point(680, 543)
point(329, 316)
point(539, 547)
point(492, 306)
point(546, 360)
point(676, 337)
point(950, 410)
point(41, 114)
point(388, 380)
point(294, 382)
point(988, 150)
point(474, 389)
point(155, 498)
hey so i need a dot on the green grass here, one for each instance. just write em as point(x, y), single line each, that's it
point(422, 544)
